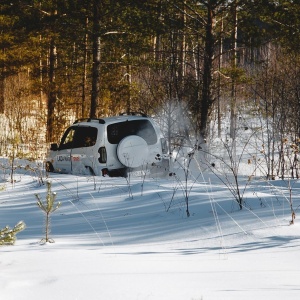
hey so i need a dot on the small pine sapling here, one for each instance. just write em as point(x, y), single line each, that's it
point(8, 235)
point(48, 207)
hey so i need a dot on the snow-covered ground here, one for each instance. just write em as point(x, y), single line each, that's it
point(131, 239)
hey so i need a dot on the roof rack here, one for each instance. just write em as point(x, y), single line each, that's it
point(101, 121)
point(133, 113)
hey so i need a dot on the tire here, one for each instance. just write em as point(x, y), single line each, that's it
point(132, 151)
point(49, 167)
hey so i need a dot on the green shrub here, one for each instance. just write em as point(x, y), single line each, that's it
point(8, 235)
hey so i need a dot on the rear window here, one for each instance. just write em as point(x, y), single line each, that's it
point(143, 128)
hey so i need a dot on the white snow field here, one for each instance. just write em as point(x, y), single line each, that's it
point(131, 239)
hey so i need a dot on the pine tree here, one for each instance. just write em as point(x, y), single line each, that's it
point(48, 207)
point(8, 235)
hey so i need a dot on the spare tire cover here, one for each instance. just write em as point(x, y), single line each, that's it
point(132, 151)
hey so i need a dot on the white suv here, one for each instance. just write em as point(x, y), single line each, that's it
point(111, 146)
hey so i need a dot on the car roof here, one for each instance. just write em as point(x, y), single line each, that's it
point(110, 120)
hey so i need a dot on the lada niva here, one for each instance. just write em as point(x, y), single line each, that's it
point(111, 146)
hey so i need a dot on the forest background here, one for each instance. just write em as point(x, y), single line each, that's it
point(190, 63)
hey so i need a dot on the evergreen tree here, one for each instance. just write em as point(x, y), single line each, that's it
point(48, 207)
point(145, 53)
point(8, 235)
point(17, 46)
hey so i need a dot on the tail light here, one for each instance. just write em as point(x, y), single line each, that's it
point(103, 155)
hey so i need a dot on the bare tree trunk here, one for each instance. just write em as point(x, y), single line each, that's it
point(219, 79)
point(157, 38)
point(83, 95)
point(128, 76)
point(233, 114)
point(41, 76)
point(52, 94)
point(1, 93)
point(96, 60)
point(207, 100)
point(2, 85)
point(182, 76)
point(233, 87)
point(52, 88)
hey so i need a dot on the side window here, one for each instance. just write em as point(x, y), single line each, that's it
point(67, 139)
point(85, 137)
point(79, 137)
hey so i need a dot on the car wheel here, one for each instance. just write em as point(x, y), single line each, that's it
point(49, 167)
point(132, 151)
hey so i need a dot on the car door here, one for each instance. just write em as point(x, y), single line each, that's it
point(83, 153)
point(63, 157)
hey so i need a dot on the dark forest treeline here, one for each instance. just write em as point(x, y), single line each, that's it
point(67, 59)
